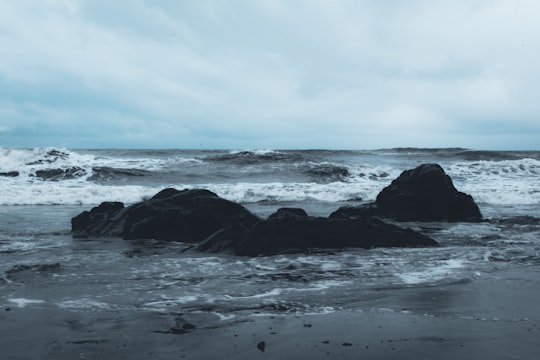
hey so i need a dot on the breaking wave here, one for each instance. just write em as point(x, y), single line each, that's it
point(62, 176)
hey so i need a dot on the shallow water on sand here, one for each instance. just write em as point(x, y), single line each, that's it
point(41, 265)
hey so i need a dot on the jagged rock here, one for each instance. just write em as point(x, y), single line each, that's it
point(50, 157)
point(299, 234)
point(188, 216)
point(329, 172)
point(292, 231)
point(425, 193)
point(218, 225)
point(60, 174)
point(225, 240)
point(106, 219)
point(171, 215)
point(288, 212)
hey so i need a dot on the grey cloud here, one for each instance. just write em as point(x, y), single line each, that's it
point(349, 73)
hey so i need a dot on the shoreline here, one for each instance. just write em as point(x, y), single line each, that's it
point(32, 334)
point(493, 317)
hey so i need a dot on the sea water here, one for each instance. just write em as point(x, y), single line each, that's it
point(42, 265)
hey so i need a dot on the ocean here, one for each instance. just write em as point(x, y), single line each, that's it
point(42, 266)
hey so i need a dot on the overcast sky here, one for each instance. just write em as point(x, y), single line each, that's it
point(270, 74)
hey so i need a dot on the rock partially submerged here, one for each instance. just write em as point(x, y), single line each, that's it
point(106, 219)
point(425, 193)
point(60, 174)
point(214, 224)
point(218, 225)
point(188, 216)
point(290, 234)
point(292, 231)
point(171, 215)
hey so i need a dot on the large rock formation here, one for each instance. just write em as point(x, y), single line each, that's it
point(296, 233)
point(171, 215)
point(425, 193)
point(218, 225)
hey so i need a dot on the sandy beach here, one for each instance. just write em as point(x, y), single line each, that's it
point(493, 317)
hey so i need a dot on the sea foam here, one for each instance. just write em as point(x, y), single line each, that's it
point(265, 176)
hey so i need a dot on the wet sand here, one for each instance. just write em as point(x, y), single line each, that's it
point(496, 316)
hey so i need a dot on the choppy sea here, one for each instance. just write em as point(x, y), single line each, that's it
point(42, 265)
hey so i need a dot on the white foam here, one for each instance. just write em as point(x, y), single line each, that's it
point(79, 191)
point(316, 286)
point(507, 182)
point(277, 191)
point(443, 270)
point(23, 302)
point(505, 191)
point(322, 310)
point(260, 152)
point(84, 303)
point(273, 292)
point(14, 159)
point(72, 193)
point(28, 161)
point(223, 317)
point(326, 284)
point(331, 265)
point(168, 302)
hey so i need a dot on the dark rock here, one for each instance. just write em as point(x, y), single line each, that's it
point(425, 193)
point(224, 240)
point(60, 174)
point(355, 212)
point(50, 157)
point(9, 174)
point(188, 216)
point(218, 225)
point(298, 234)
point(288, 212)
point(329, 172)
point(171, 215)
point(105, 220)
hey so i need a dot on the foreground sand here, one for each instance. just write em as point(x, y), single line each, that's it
point(493, 317)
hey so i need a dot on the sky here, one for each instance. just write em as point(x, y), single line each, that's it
point(270, 74)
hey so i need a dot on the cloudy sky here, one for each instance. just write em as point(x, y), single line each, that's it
point(270, 74)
